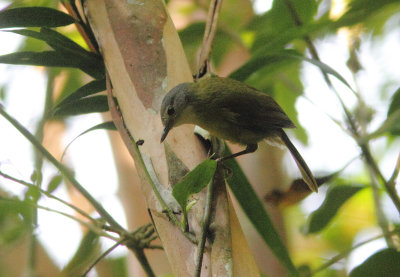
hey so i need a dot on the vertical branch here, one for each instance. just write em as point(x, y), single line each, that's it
point(209, 34)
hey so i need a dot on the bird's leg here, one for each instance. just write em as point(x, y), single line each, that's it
point(250, 148)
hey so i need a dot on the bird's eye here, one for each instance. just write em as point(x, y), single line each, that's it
point(171, 110)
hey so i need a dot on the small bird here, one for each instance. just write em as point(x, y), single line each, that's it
point(233, 111)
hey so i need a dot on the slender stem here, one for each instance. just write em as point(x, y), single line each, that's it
point(382, 220)
point(392, 180)
point(94, 228)
point(205, 225)
point(80, 211)
point(209, 34)
point(342, 255)
point(352, 124)
point(103, 255)
point(63, 170)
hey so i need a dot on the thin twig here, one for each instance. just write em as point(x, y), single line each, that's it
point(209, 34)
point(342, 255)
point(102, 256)
point(94, 228)
point(205, 225)
point(352, 124)
point(80, 211)
point(63, 170)
point(392, 180)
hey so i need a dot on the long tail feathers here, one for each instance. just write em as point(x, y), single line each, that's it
point(301, 164)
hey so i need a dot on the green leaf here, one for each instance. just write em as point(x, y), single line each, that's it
point(93, 87)
point(94, 104)
point(54, 183)
point(88, 250)
point(360, 10)
point(109, 125)
point(256, 213)
point(53, 59)
point(194, 182)
point(260, 61)
point(33, 194)
point(34, 17)
point(117, 266)
point(56, 40)
point(335, 198)
point(383, 263)
point(15, 219)
point(74, 54)
point(391, 124)
point(395, 103)
point(277, 27)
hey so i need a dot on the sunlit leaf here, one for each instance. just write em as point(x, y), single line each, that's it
point(280, 25)
point(194, 182)
point(256, 213)
point(56, 40)
point(94, 104)
point(361, 10)
point(383, 263)
point(335, 198)
point(34, 17)
point(54, 183)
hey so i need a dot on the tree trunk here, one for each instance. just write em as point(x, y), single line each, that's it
point(144, 59)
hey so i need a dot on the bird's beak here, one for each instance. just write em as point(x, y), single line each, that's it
point(165, 132)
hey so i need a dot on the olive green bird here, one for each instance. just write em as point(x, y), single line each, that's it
point(233, 111)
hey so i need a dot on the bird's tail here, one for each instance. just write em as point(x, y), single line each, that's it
point(306, 173)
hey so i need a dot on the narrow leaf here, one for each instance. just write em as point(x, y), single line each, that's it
point(54, 39)
point(258, 62)
point(194, 182)
point(54, 59)
point(262, 60)
point(391, 124)
point(109, 125)
point(54, 183)
point(395, 102)
point(34, 17)
point(383, 263)
point(255, 211)
point(76, 55)
point(93, 87)
point(94, 104)
point(89, 248)
point(335, 198)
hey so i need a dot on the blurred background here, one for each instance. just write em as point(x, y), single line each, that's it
point(364, 51)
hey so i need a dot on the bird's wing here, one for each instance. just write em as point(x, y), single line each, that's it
point(255, 111)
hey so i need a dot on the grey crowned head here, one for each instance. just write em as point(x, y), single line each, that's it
point(172, 107)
